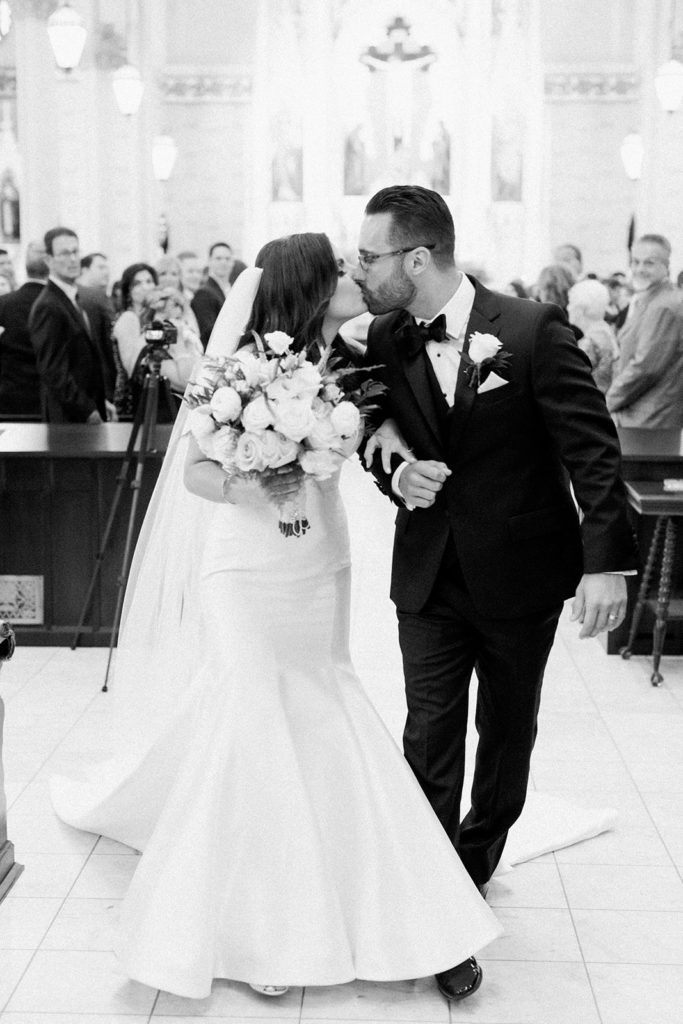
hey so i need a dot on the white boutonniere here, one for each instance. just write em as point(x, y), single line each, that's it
point(485, 353)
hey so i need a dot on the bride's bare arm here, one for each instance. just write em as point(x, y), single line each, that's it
point(208, 480)
point(390, 441)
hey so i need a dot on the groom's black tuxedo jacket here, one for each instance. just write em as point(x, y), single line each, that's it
point(512, 451)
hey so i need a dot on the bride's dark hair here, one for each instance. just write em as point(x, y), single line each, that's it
point(300, 274)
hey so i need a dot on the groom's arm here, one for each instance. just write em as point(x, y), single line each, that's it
point(585, 438)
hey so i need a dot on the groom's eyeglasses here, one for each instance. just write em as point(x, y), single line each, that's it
point(366, 259)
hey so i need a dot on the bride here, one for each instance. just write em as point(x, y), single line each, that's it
point(285, 840)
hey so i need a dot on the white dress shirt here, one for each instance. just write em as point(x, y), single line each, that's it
point(445, 355)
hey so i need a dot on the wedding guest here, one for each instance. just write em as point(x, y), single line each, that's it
point(586, 308)
point(224, 270)
point(6, 285)
point(619, 297)
point(190, 272)
point(169, 272)
point(516, 288)
point(70, 360)
point(94, 272)
point(569, 255)
point(647, 390)
point(554, 282)
point(19, 378)
point(7, 268)
point(136, 281)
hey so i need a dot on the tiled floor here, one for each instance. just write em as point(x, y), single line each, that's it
point(594, 933)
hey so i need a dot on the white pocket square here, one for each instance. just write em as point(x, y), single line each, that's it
point(491, 382)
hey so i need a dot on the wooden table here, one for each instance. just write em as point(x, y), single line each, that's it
point(649, 498)
point(649, 455)
point(57, 484)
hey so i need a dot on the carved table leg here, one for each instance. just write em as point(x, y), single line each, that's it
point(663, 595)
point(644, 587)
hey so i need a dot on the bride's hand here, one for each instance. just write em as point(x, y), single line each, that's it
point(389, 440)
point(282, 483)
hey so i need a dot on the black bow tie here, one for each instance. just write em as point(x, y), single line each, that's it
point(415, 336)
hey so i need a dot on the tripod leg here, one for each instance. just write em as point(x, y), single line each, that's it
point(150, 399)
point(121, 481)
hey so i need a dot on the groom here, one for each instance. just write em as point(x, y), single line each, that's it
point(500, 410)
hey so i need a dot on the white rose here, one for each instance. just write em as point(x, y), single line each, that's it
point(279, 390)
point(249, 453)
point(331, 393)
point(250, 365)
point(278, 450)
point(200, 423)
point(323, 434)
point(294, 419)
point(320, 464)
point(278, 342)
point(345, 419)
point(483, 346)
point(256, 415)
point(224, 445)
point(226, 404)
point(306, 381)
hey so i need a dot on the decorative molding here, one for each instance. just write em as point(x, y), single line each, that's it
point(206, 86)
point(8, 83)
point(592, 85)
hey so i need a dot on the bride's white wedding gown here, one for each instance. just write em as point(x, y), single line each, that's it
point(285, 839)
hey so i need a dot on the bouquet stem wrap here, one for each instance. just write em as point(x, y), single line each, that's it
point(293, 521)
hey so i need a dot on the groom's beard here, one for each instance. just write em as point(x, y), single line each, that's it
point(397, 292)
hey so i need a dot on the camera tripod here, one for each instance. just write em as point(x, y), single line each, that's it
point(144, 425)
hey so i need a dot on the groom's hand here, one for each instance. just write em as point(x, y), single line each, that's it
point(421, 481)
point(600, 602)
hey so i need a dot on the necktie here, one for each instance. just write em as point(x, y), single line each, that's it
point(415, 336)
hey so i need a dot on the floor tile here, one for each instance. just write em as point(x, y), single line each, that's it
point(418, 1000)
point(73, 1018)
point(528, 885)
point(530, 993)
point(79, 982)
point(534, 935)
point(48, 874)
point(666, 809)
point(84, 924)
point(13, 963)
point(630, 996)
point(45, 833)
point(630, 936)
point(621, 887)
point(105, 877)
point(230, 999)
point(24, 921)
point(619, 846)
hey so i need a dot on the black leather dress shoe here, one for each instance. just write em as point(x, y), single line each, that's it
point(461, 981)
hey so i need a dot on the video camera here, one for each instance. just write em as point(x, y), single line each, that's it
point(159, 336)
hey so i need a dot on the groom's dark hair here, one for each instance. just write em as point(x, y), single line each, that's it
point(418, 216)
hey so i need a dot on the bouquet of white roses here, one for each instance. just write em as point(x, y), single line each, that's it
point(253, 412)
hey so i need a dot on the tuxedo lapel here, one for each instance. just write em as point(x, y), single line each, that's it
point(482, 320)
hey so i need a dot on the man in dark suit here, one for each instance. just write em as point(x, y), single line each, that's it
point(499, 407)
point(224, 270)
point(19, 379)
point(70, 361)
